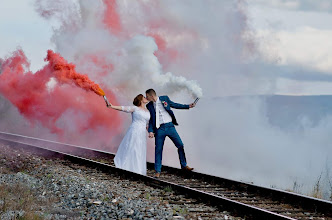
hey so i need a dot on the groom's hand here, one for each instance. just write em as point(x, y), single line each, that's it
point(151, 135)
point(192, 105)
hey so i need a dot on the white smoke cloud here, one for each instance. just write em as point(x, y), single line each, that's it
point(142, 63)
point(233, 137)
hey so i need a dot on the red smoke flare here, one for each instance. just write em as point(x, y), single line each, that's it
point(64, 108)
point(65, 72)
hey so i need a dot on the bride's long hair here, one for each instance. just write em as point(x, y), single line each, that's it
point(138, 100)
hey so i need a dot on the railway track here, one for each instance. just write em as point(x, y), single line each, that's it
point(242, 199)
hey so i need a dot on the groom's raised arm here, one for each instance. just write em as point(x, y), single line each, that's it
point(177, 105)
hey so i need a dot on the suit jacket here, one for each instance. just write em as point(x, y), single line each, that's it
point(168, 104)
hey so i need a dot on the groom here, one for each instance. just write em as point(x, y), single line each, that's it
point(161, 125)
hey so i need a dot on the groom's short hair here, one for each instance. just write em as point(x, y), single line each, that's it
point(151, 92)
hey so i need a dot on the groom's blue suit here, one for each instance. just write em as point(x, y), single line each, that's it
point(166, 130)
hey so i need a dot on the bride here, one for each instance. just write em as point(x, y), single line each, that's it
point(131, 154)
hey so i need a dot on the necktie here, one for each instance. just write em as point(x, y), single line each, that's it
point(157, 115)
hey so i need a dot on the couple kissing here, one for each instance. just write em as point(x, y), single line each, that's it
point(152, 113)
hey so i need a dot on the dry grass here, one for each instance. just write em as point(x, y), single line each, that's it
point(19, 198)
point(317, 190)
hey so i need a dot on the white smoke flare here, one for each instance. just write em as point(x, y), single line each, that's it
point(176, 83)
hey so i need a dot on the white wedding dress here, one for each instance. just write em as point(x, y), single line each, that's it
point(131, 154)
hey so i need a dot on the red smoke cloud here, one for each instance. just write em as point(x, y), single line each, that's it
point(66, 103)
point(158, 29)
point(111, 17)
point(165, 54)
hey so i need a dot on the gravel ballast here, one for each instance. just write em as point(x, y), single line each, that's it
point(34, 187)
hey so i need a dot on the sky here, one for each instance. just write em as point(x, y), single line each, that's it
point(21, 26)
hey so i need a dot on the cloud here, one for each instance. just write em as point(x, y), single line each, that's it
point(294, 45)
point(306, 47)
point(305, 5)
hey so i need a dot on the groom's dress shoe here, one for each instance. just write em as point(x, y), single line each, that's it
point(157, 175)
point(186, 168)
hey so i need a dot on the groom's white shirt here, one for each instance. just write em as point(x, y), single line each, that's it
point(163, 117)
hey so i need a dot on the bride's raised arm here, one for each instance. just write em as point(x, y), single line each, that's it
point(128, 109)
